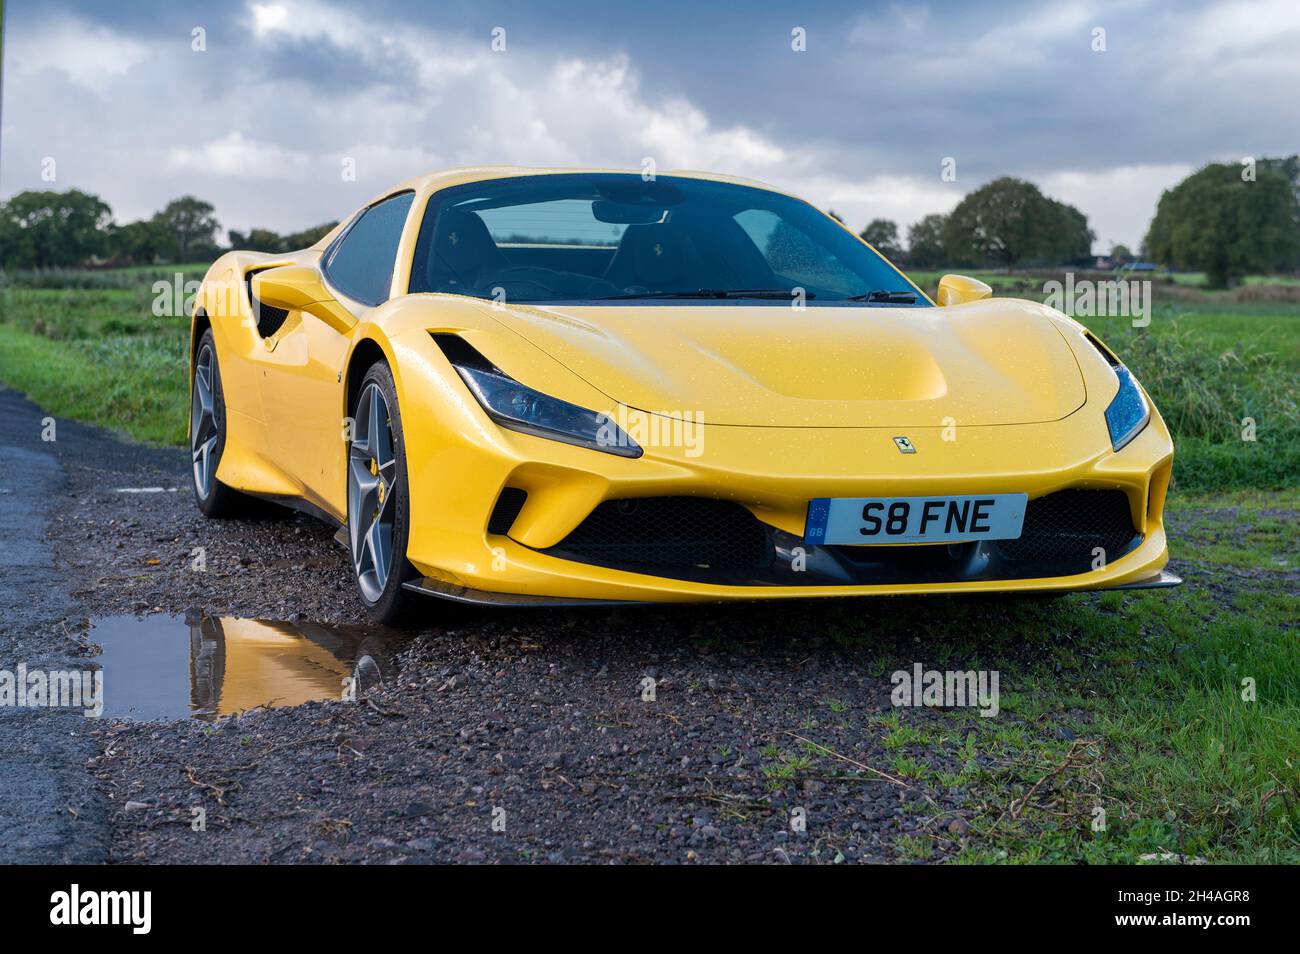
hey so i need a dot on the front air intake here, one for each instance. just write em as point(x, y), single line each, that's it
point(506, 510)
point(669, 536)
point(1062, 530)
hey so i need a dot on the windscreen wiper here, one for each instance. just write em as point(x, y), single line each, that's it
point(716, 293)
point(902, 297)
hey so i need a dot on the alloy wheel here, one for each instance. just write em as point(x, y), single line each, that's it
point(204, 431)
point(372, 484)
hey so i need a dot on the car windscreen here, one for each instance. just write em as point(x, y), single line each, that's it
point(622, 238)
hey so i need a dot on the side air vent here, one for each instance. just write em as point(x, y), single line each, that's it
point(461, 353)
point(1105, 352)
point(268, 318)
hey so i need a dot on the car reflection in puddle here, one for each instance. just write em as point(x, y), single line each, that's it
point(168, 667)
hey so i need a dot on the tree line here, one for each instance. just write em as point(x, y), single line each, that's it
point(1007, 223)
point(47, 229)
point(1225, 219)
point(1230, 220)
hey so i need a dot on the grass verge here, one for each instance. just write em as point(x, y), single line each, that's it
point(1136, 727)
point(133, 384)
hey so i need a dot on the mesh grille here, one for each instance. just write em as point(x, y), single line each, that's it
point(722, 542)
point(1064, 527)
point(664, 532)
point(269, 318)
point(507, 508)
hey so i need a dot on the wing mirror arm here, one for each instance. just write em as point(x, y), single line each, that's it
point(301, 287)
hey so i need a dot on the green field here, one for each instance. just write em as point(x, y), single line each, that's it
point(1132, 703)
point(87, 345)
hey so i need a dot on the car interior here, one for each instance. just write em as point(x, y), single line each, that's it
point(594, 237)
point(657, 257)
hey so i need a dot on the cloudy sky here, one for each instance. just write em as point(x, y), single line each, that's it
point(261, 121)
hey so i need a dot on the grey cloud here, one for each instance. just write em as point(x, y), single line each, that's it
point(883, 93)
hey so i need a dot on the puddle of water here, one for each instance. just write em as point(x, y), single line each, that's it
point(168, 667)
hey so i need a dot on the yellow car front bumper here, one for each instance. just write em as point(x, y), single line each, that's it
point(459, 465)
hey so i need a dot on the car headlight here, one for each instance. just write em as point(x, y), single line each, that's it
point(520, 408)
point(1129, 412)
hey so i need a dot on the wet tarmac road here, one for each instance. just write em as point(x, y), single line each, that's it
point(50, 809)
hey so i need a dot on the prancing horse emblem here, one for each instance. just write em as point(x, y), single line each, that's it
point(904, 445)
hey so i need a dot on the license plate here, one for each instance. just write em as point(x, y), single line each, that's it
point(884, 520)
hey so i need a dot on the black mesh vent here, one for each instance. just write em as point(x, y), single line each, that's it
point(508, 506)
point(1061, 529)
point(669, 533)
point(269, 318)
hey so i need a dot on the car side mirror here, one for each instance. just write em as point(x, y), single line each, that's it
point(958, 289)
point(301, 287)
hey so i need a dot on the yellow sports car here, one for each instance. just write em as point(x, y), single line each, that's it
point(521, 386)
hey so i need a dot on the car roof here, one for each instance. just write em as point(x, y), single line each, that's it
point(443, 178)
point(456, 176)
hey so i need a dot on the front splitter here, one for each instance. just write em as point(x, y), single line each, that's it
point(465, 594)
point(1161, 580)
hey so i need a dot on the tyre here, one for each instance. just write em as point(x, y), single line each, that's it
point(378, 498)
point(208, 438)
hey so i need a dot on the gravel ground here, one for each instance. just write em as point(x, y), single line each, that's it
point(539, 714)
point(514, 736)
point(543, 729)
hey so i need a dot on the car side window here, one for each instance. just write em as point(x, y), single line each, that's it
point(361, 265)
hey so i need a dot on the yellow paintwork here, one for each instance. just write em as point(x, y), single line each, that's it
point(302, 288)
point(796, 405)
point(270, 664)
point(959, 289)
